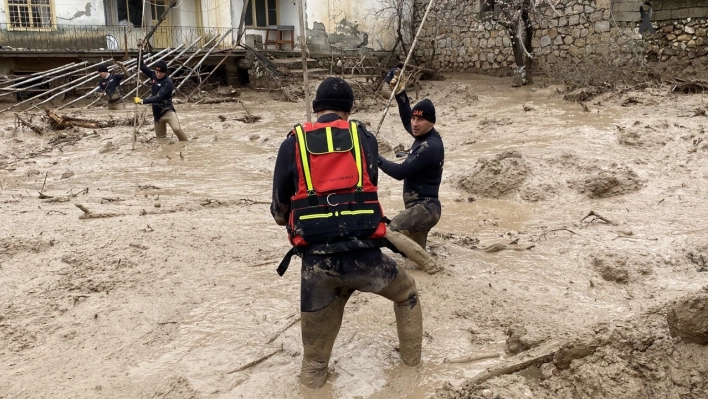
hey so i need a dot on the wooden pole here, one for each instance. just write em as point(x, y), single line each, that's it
point(303, 51)
point(410, 52)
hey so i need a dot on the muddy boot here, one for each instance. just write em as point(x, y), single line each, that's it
point(409, 324)
point(319, 330)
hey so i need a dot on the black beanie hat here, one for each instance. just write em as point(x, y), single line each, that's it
point(335, 94)
point(102, 68)
point(160, 66)
point(425, 109)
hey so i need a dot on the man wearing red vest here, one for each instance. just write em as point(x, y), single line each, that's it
point(324, 191)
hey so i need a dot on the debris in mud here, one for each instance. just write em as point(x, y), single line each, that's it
point(630, 100)
point(597, 216)
point(584, 94)
point(462, 240)
point(495, 122)
point(521, 338)
point(91, 215)
point(495, 177)
point(698, 255)
point(634, 359)
point(688, 319)
point(690, 87)
point(611, 268)
point(642, 136)
point(541, 192)
point(609, 182)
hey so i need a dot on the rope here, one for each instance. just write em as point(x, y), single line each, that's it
point(410, 52)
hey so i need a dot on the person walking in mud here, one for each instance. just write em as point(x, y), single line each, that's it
point(109, 86)
point(325, 193)
point(421, 172)
point(163, 111)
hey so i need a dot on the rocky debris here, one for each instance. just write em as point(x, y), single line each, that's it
point(611, 268)
point(688, 319)
point(634, 359)
point(496, 177)
point(608, 182)
point(521, 338)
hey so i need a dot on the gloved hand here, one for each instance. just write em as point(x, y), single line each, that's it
point(138, 100)
point(401, 86)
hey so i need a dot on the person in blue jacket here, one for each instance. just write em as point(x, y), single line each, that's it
point(163, 111)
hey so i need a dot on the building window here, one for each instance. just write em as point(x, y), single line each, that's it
point(130, 12)
point(263, 14)
point(30, 14)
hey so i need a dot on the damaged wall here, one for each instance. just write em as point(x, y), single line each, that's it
point(70, 12)
point(349, 25)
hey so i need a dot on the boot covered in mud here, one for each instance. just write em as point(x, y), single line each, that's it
point(319, 330)
point(409, 325)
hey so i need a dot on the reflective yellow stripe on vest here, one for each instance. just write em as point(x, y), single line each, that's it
point(330, 141)
point(330, 147)
point(303, 155)
point(357, 152)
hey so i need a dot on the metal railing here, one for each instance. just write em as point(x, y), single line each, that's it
point(107, 37)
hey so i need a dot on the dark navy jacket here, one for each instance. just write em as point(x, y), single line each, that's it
point(161, 98)
point(422, 171)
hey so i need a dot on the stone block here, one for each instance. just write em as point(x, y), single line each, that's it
point(602, 26)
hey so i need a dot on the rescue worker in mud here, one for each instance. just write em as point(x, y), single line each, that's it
point(421, 172)
point(109, 86)
point(324, 191)
point(163, 111)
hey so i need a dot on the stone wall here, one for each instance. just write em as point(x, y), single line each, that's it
point(572, 32)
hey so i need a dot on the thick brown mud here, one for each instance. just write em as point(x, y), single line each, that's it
point(174, 294)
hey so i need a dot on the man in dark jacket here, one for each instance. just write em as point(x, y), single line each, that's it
point(421, 172)
point(333, 270)
point(163, 111)
point(109, 86)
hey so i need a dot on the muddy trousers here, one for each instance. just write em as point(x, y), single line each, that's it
point(169, 118)
point(117, 106)
point(417, 220)
point(331, 281)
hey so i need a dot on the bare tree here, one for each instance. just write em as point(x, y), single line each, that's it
point(514, 16)
point(395, 15)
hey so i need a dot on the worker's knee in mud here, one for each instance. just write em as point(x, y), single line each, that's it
point(411, 301)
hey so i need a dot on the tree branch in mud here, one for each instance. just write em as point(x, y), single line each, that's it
point(597, 217)
point(542, 354)
point(255, 362)
point(90, 215)
point(19, 122)
point(476, 358)
point(282, 330)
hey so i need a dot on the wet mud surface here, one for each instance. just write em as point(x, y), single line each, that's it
point(166, 287)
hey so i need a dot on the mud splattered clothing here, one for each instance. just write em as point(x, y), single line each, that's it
point(332, 272)
point(161, 97)
point(285, 183)
point(163, 111)
point(421, 173)
point(111, 86)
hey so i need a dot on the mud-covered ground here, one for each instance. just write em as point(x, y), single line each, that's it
point(167, 287)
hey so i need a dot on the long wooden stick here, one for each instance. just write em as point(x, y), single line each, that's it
point(410, 52)
point(303, 51)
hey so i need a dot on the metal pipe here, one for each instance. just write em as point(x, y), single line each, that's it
point(192, 56)
point(21, 89)
point(38, 73)
point(205, 56)
point(42, 76)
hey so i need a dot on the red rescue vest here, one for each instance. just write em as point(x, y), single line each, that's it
point(335, 201)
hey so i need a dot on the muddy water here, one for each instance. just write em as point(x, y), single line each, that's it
point(230, 323)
